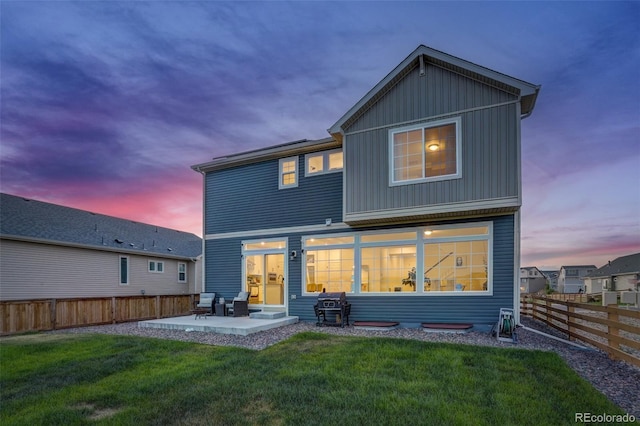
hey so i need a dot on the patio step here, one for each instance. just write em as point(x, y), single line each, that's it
point(267, 315)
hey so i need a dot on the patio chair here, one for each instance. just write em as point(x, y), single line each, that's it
point(239, 307)
point(206, 302)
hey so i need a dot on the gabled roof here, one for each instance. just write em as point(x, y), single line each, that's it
point(526, 92)
point(629, 264)
point(30, 220)
point(578, 266)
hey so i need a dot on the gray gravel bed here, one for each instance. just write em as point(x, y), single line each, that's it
point(618, 380)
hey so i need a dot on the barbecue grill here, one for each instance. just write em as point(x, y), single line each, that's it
point(332, 309)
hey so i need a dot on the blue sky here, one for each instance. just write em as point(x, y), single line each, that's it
point(105, 105)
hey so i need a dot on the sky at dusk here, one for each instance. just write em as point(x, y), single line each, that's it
point(105, 105)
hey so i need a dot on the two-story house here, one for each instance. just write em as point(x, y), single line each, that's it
point(532, 280)
point(571, 278)
point(410, 206)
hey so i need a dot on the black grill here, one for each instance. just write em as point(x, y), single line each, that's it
point(332, 309)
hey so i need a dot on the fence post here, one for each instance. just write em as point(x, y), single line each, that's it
point(113, 310)
point(53, 314)
point(546, 311)
point(570, 311)
point(158, 315)
point(612, 315)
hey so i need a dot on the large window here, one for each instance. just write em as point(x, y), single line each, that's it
point(323, 162)
point(425, 152)
point(329, 264)
point(456, 266)
point(452, 259)
point(288, 172)
point(388, 269)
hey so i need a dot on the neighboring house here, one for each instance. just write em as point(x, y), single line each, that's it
point(411, 206)
point(570, 278)
point(52, 251)
point(552, 279)
point(532, 280)
point(620, 274)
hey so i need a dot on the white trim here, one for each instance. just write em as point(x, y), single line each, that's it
point(143, 253)
point(284, 251)
point(274, 231)
point(120, 270)
point(281, 172)
point(419, 243)
point(186, 276)
point(422, 126)
point(157, 269)
point(506, 202)
point(516, 266)
point(325, 162)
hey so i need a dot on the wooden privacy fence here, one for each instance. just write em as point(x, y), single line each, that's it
point(19, 316)
point(610, 328)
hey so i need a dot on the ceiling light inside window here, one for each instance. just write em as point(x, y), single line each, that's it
point(433, 146)
point(427, 232)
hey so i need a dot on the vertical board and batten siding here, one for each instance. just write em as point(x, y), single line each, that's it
point(247, 197)
point(223, 272)
point(64, 272)
point(489, 144)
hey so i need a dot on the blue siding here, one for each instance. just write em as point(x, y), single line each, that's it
point(223, 275)
point(247, 197)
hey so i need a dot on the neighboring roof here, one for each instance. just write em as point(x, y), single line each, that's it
point(629, 264)
point(526, 92)
point(578, 266)
point(30, 220)
point(278, 151)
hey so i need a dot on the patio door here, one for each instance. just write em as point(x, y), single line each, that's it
point(265, 272)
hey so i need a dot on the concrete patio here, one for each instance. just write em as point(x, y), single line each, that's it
point(241, 326)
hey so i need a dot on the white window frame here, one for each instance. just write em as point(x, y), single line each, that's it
point(120, 258)
point(420, 241)
point(325, 162)
point(281, 172)
point(182, 265)
point(156, 266)
point(457, 121)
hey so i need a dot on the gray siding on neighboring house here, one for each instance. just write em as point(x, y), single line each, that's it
point(247, 197)
point(224, 271)
point(37, 271)
point(490, 145)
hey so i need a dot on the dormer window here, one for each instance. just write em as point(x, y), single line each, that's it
point(426, 152)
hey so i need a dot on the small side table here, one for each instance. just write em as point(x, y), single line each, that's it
point(200, 312)
point(220, 309)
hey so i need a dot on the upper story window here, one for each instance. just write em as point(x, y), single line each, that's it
point(288, 173)
point(156, 266)
point(425, 152)
point(323, 162)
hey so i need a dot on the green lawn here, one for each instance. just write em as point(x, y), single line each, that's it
point(311, 378)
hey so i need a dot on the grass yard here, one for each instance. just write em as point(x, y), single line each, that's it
point(311, 378)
